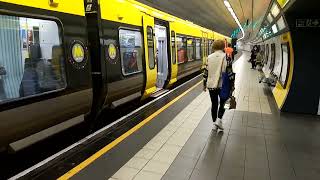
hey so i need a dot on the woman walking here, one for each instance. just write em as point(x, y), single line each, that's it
point(216, 65)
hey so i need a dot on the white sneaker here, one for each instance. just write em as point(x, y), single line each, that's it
point(219, 124)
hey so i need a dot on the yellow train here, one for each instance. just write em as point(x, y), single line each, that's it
point(61, 59)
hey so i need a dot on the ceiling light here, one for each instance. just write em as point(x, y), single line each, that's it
point(227, 4)
point(230, 9)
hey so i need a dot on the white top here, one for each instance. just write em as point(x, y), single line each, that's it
point(216, 65)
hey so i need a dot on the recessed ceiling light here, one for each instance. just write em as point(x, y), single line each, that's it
point(230, 9)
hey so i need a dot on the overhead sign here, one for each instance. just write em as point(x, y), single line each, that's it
point(307, 23)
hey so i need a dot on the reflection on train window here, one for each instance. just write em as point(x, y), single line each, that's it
point(190, 49)
point(285, 64)
point(182, 49)
point(31, 57)
point(273, 55)
point(198, 49)
point(173, 44)
point(150, 47)
point(131, 51)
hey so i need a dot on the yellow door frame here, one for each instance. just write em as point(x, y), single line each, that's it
point(174, 66)
point(151, 73)
point(205, 48)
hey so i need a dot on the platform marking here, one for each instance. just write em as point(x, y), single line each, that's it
point(108, 147)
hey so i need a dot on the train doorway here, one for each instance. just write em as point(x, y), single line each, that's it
point(161, 55)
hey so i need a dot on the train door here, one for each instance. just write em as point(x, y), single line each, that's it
point(150, 60)
point(204, 47)
point(162, 55)
point(174, 65)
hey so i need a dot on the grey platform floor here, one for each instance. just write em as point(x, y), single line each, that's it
point(258, 142)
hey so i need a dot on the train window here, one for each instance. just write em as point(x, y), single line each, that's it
point(31, 57)
point(190, 49)
point(275, 10)
point(182, 49)
point(269, 18)
point(285, 64)
point(198, 49)
point(281, 24)
point(273, 56)
point(173, 44)
point(150, 47)
point(131, 51)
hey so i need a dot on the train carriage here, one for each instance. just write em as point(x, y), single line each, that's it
point(67, 60)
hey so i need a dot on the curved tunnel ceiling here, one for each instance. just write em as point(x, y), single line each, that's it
point(213, 14)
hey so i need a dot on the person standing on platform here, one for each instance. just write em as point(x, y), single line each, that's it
point(253, 59)
point(216, 65)
point(229, 52)
point(259, 60)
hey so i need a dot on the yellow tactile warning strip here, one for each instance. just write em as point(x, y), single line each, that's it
point(108, 147)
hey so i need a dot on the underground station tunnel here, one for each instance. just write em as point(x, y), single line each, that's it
point(159, 89)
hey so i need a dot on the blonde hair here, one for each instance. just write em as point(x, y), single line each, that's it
point(218, 45)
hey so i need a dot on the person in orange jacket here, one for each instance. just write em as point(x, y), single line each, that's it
point(229, 51)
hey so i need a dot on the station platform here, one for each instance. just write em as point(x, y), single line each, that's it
point(177, 142)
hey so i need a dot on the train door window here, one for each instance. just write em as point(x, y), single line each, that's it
point(173, 47)
point(31, 57)
point(273, 55)
point(285, 64)
point(150, 47)
point(182, 49)
point(131, 51)
point(190, 49)
point(198, 49)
